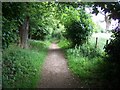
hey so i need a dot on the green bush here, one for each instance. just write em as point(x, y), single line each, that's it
point(9, 32)
point(113, 48)
point(64, 43)
point(22, 67)
point(113, 57)
point(79, 31)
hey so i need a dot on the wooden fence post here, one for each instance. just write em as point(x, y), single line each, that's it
point(96, 42)
point(106, 42)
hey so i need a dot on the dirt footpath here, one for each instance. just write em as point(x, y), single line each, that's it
point(55, 72)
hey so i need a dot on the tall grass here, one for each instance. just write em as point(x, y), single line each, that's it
point(22, 67)
point(90, 64)
point(86, 62)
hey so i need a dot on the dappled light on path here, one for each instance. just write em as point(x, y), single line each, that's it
point(55, 73)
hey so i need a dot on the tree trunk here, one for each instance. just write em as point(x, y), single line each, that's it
point(23, 32)
point(108, 22)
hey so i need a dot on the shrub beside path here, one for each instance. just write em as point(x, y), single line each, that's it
point(55, 72)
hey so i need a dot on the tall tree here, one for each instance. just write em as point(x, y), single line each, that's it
point(23, 32)
point(13, 16)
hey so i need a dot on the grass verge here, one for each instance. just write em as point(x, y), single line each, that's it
point(22, 67)
point(91, 65)
point(87, 63)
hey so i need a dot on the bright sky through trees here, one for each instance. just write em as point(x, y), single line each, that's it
point(99, 19)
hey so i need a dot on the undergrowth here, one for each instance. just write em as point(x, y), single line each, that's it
point(86, 62)
point(91, 65)
point(64, 43)
point(22, 67)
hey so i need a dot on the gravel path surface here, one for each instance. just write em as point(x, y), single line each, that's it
point(55, 72)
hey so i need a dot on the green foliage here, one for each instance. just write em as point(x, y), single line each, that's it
point(101, 42)
point(86, 62)
point(86, 50)
point(12, 11)
point(92, 70)
point(36, 45)
point(113, 48)
point(113, 8)
point(47, 20)
point(84, 67)
point(38, 34)
point(64, 43)
point(43, 20)
point(12, 17)
point(79, 31)
point(111, 74)
point(22, 67)
point(91, 66)
point(9, 32)
point(68, 16)
point(45, 25)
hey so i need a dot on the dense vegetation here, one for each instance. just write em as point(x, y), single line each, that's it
point(47, 20)
point(66, 24)
point(22, 67)
point(96, 67)
point(91, 65)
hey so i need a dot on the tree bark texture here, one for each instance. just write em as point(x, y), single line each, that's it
point(23, 32)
